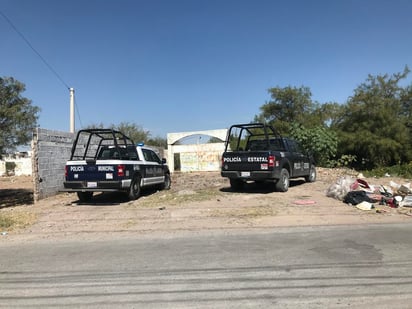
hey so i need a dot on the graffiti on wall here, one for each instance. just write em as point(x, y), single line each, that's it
point(199, 161)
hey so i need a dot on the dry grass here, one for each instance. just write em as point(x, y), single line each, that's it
point(14, 220)
point(244, 212)
point(171, 198)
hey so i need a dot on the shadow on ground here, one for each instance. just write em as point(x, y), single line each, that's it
point(262, 187)
point(110, 198)
point(15, 197)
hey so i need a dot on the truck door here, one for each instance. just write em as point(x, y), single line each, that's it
point(153, 167)
point(300, 162)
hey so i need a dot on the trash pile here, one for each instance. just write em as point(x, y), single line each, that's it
point(357, 192)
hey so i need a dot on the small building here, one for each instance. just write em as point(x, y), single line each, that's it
point(18, 164)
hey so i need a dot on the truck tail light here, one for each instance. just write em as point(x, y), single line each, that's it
point(271, 161)
point(65, 171)
point(120, 170)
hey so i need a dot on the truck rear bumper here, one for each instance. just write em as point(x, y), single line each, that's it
point(252, 175)
point(96, 186)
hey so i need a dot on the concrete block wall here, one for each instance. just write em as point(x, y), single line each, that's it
point(51, 150)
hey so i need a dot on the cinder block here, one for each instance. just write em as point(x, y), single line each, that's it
point(52, 150)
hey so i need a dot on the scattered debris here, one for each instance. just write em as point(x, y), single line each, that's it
point(358, 196)
point(359, 193)
point(406, 202)
point(365, 206)
point(340, 188)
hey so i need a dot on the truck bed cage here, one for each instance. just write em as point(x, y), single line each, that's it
point(242, 134)
point(89, 143)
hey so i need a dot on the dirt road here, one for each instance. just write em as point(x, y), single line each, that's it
point(196, 202)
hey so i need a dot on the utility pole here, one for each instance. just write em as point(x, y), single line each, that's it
point(71, 110)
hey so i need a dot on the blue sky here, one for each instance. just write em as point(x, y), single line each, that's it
point(189, 65)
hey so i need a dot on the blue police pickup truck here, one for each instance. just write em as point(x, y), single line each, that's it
point(256, 152)
point(106, 160)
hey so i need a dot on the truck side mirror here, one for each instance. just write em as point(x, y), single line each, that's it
point(163, 161)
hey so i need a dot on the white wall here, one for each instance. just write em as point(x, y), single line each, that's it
point(2, 168)
point(196, 157)
point(201, 157)
point(23, 166)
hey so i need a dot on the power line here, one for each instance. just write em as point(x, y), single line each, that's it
point(34, 50)
point(42, 59)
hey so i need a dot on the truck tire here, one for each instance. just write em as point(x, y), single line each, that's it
point(282, 184)
point(166, 184)
point(312, 175)
point(84, 196)
point(135, 189)
point(236, 184)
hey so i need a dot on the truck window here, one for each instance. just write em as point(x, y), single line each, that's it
point(150, 155)
point(108, 153)
point(276, 145)
point(293, 146)
point(105, 154)
point(131, 151)
point(256, 145)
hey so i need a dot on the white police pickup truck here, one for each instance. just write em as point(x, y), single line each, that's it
point(106, 160)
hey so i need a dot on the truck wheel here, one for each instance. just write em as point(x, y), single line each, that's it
point(134, 190)
point(84, 196)
point(166, 184)
point(282, 184)
point(236, 184)
point(312, 175)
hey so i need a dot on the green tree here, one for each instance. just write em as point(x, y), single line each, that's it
point(329, 114)
point(157, 141)
point(376, 123)
point(406, 102)
point(18, 117)
point(135, 132)
point(289, 105)
point(292, 112)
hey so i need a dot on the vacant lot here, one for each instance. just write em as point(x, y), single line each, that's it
point(196, 202)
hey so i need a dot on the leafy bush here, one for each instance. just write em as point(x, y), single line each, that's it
point(343, 161)
point(320, 141)
point(400, 170)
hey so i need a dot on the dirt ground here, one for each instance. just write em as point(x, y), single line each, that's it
point(196, 202)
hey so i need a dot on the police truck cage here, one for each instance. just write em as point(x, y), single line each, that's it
point(251, 135)
point(91, 144)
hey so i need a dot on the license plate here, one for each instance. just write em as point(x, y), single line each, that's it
point(245, 174)
point(92, 184)
point(263, 166)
